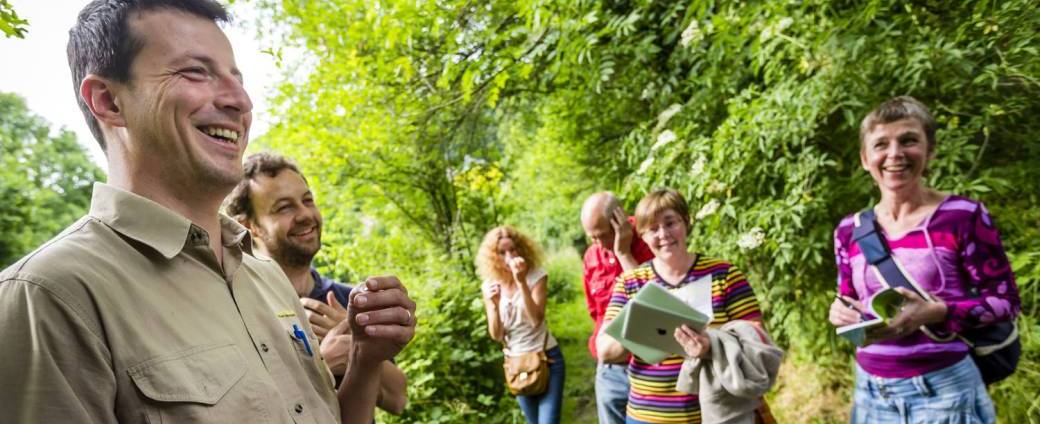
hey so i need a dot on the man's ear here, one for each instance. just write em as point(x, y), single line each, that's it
point(248, 223)
point(97, 92)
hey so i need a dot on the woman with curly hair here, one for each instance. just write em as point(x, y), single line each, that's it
point(514, 295)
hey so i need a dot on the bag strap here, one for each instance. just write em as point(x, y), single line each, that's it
point(885, 266)
point(889, 271)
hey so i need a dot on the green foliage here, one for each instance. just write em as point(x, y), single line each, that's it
point(454, 365)
point(423, 124)
point(45, 179)
point(543, 168)
point(571, 325)
point(403, 93)
point(10, 23)
point(1017, 393)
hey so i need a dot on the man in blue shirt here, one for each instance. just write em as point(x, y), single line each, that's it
point(275, 203)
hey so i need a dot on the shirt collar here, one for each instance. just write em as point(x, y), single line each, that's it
point(234, 234)
point(154, 225)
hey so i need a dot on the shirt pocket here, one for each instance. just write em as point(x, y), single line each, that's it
point(312, 361)
point(200, 384)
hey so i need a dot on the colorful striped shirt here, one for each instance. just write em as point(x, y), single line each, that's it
point(652, 397)
point(955, 254)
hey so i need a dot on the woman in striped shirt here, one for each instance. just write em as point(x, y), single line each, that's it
point(950, 246)
point(663, 221)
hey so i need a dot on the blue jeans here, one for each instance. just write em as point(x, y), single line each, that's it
point(611, 392)
point(545, 408)
point(952, 395)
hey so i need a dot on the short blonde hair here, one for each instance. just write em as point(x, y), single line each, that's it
point(490, 264)
point(898, 109)
point(659, 201)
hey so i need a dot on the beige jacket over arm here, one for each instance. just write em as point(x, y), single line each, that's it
point(127, 316)
point(742, 368)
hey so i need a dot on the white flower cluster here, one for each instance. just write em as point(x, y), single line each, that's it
point(691, 34)
point(645, 165)
point(708, 209)
point(667, 114)
point(698, 167)
point(775, 29)
point(665, 137)
point(751, 239)
point(367, 225)
point(648, 91)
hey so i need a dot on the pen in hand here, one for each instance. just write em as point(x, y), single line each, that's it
point(849, 305)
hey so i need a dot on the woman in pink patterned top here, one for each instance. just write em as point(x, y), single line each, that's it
point(950, 246)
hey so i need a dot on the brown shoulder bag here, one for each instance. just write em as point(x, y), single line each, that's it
point(527, 374)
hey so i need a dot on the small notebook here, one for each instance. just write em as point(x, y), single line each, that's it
point(881, 307)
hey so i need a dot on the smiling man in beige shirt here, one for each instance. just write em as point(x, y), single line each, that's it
point(152, 307)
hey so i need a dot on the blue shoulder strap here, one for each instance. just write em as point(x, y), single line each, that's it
point(867, 236)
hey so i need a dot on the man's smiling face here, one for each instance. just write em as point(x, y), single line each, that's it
point(287, 223)
point(186, 110)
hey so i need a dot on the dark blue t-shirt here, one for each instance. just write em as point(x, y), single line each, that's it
point(322, 286)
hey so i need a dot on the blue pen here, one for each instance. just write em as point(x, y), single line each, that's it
point(303, 338)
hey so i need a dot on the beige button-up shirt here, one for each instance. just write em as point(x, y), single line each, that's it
point(126, 316)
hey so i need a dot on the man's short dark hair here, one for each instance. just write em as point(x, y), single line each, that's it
point(101, 42)
point(239, 204)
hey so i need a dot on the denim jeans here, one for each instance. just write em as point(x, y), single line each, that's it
point(545, 408)
point(952, 395)
point(611, 392)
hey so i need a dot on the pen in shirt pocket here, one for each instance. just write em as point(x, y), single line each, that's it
point(300, 335)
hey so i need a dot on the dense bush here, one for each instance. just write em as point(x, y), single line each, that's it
point(429, 122)
point(45, 179)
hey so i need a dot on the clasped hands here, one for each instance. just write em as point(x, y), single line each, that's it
point(376, 325)
point(915, 312)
